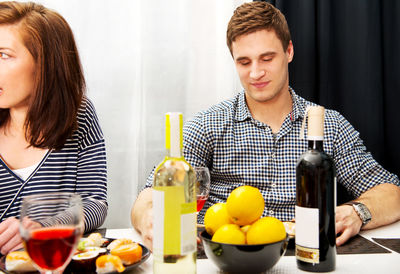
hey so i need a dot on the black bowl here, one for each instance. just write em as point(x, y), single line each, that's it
point(243, 258)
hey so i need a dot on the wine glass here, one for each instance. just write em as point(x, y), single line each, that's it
point(51, 226)
point(202, 186)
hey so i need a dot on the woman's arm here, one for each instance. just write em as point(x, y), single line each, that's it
point(92, 185)
point(92, 168)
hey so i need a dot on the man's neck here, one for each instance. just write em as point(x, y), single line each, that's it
point(272, 112)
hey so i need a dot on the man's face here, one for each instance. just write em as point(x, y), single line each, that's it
point(262, 65)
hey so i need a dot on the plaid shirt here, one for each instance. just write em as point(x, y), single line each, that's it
point(240, 150)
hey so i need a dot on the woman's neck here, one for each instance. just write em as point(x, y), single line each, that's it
point(16, 124)
point(15, 149)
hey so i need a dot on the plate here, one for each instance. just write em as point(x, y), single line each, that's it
point(3, 267)
point(290, 228)
point(145, 256)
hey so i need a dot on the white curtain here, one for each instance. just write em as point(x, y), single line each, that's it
point(141, 59)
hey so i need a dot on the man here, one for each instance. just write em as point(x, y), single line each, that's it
point(253, 139)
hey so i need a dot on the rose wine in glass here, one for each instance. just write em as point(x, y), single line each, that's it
point(201, 200)
point(51, 227)
point(202, 186)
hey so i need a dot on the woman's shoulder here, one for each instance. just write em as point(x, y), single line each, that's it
point(88, 122)
point(86, 109)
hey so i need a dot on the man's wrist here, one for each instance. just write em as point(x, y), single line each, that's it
point(362, 211)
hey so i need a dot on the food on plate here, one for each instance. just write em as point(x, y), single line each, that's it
point(108, 258)
point(129, 253)
point(90, 259)
point(290, 228)
point(84, 262)
point(266, 230)
point(100, 250)
point(19, 261)
point(94, 240)
point(117, 242)
point(109, 263)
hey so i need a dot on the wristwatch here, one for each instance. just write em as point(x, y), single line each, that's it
point(362, 212)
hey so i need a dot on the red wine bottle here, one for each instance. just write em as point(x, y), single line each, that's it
point(315, 201)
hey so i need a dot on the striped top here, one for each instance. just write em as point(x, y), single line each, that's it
point(80, 167)
point(240, 150)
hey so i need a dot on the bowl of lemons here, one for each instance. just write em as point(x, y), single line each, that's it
point(237, 239)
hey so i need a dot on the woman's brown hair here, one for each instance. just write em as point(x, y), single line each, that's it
point(59, 81)
point(253, 16)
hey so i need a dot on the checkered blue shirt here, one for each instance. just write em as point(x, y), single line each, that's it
point(240, 150)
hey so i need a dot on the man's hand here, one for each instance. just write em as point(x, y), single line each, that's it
point(348, 223)
point(146, 228)
point(383, 201)
point(142, 216)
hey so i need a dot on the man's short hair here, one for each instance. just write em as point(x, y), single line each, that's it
point(253, 16)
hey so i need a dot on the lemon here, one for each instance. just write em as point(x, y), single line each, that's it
point(229, 234)
point(245, 205)
point(245, 228)
point(266, 230)
point(215, 217)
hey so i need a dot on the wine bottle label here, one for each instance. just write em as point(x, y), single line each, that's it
point(309, 255)
point(307, 234)
point(174, 222)
point(158, 223)
point(188, 241)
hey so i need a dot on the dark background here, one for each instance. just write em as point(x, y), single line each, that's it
point(346, 57)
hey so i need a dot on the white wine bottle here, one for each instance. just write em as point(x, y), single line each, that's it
point(315, 201)
point(174, 206)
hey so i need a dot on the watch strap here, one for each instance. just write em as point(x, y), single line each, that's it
point(362, 211)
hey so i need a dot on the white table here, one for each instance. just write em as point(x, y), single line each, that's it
point(354, 263)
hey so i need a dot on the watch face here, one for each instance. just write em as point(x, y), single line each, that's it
point(363, 212)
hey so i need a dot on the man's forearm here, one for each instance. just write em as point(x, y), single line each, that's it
point(383, 201)
point(142, 205)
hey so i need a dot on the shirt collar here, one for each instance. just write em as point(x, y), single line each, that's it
point(298, 108)
point(243, 111)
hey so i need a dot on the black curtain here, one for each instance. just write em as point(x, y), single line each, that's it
point(346, 57)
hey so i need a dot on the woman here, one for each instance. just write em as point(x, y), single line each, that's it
point(50, 139)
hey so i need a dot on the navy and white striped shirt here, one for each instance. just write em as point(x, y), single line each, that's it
point(240, 150)
point(80, 167)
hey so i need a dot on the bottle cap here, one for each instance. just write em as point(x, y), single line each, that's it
point(173, 126)
point(316, 117)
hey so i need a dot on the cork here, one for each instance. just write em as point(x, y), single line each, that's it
point(316, 116)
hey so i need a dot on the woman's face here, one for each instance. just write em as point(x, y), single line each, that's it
point(17, 69)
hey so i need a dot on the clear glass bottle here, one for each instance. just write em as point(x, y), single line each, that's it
point(174, 206)
point(315, 201)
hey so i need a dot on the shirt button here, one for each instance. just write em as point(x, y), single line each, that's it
point(273, 185)
point(271, 212)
